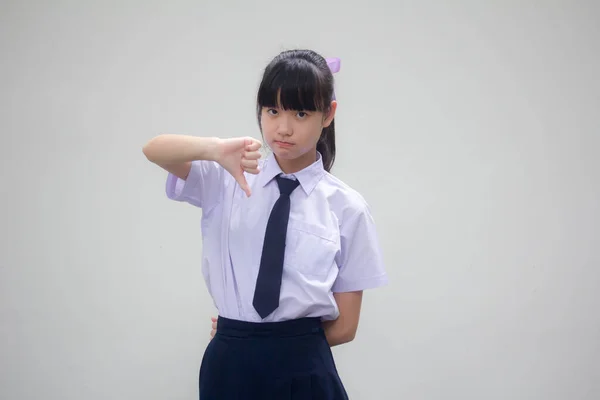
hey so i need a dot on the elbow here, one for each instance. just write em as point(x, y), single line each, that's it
point(342, 337)
point(349, 336)
point(150, 149)
point(147, 150)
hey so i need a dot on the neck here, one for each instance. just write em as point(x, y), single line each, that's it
point(297, 164)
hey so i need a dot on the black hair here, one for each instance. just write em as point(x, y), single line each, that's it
point(300, 80)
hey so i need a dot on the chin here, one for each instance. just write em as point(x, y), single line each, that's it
point(286, 154)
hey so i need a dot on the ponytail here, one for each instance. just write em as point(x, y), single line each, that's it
point(326, 146)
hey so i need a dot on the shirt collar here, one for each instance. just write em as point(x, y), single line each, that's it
point(308, 177)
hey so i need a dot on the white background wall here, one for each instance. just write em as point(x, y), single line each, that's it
point(472, 128)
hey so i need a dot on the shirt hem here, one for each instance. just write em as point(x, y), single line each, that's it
point(363, 284)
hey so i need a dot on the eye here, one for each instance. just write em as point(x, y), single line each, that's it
point(302, 114)
point(272, 111)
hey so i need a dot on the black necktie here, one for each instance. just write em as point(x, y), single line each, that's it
point(268, 283)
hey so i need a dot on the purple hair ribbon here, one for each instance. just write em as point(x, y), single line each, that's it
point(334, 65)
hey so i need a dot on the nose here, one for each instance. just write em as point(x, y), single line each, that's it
point(284, 127)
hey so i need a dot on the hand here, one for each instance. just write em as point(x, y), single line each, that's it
point(214, 327)
point(239, 155)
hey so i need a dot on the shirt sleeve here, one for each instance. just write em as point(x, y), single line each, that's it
point(360, 260)
point(203, 187)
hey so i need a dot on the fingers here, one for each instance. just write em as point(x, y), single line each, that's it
point(252, 144)
point(250, 162)
point(254, 171)
point(251, 155)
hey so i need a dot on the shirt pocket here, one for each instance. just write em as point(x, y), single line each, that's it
point(310, 249)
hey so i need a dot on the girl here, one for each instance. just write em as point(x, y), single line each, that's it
point(287, 247)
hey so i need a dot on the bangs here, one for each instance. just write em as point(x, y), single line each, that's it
point(293, 85)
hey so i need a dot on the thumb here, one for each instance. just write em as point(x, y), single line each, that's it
point(241, 180)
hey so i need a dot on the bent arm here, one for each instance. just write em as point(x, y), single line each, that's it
point(175, 153)
point(343, 329)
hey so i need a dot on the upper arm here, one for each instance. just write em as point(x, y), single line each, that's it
point(180, 170)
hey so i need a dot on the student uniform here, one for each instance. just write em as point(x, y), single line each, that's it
point(331, 246)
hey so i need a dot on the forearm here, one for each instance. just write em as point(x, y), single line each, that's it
point(337, 333)
point(173, 149)
point(343, 328)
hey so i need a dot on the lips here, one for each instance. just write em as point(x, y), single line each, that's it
point(283, 144)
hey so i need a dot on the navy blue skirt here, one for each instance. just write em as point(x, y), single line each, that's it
point(288, 360)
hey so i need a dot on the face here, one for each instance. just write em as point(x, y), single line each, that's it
point(292, 135)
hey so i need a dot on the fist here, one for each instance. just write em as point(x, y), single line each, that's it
point(239, 155)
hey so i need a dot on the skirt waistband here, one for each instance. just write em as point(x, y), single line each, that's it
point(294, 327)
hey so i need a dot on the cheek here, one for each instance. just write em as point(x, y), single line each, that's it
point(267, 128)
point(314, 131)
point(309, 136)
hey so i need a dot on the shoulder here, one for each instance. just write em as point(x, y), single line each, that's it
point(346, 201)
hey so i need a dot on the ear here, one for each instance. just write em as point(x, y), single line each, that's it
point(331, 115)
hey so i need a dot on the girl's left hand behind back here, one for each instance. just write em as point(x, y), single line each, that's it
point(214, 327)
